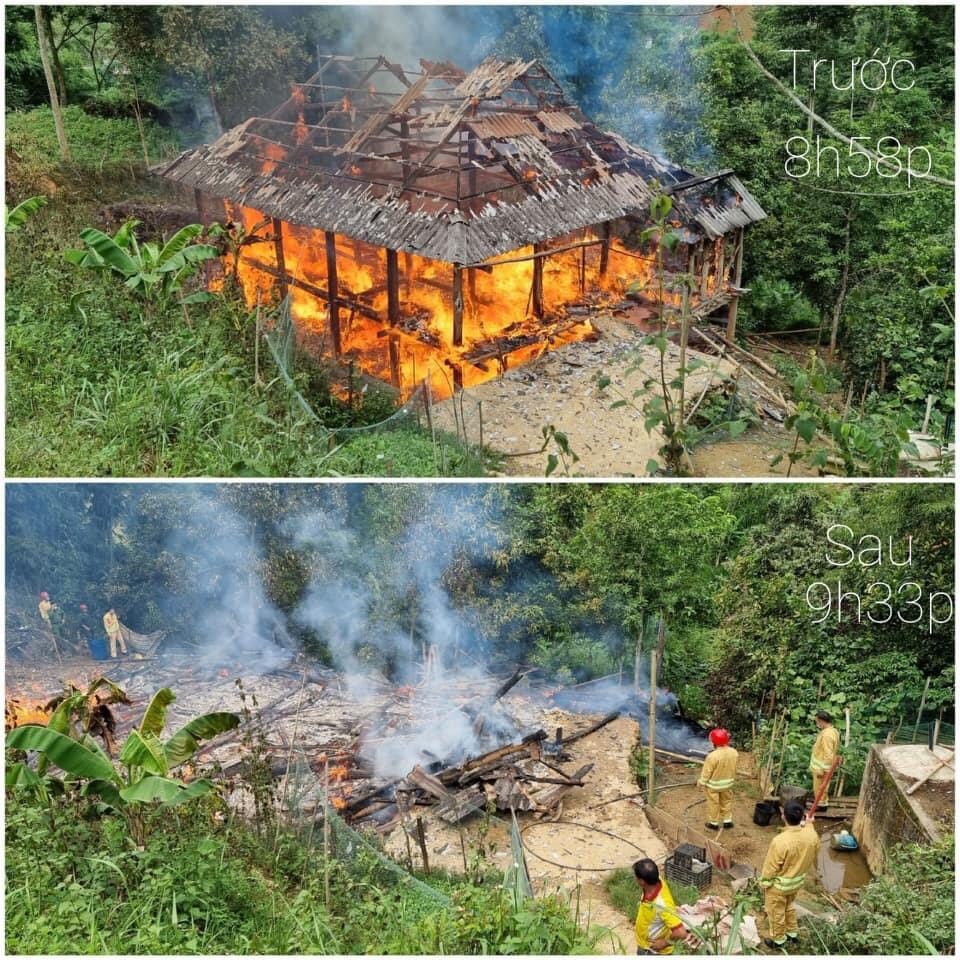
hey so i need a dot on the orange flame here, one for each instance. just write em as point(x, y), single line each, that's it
point(18, 712)
point(499, 330)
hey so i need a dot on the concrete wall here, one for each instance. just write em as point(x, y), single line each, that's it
point(885, 815)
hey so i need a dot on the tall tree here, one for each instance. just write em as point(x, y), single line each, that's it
point(46, 57)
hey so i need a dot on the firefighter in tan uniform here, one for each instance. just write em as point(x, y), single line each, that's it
point(111, 623)
point(824, 749)
point(791, 854)
point(717, 779)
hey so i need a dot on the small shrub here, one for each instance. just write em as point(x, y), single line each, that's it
point(776, 305)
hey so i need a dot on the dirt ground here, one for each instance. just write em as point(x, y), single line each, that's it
point(560, 389)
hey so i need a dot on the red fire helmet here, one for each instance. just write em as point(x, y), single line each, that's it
point(719, 737)
point(44, 595)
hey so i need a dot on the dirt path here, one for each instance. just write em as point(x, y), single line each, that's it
point(559, 389)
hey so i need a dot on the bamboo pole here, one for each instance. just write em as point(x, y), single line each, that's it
point(326, 833)
point(923, 703)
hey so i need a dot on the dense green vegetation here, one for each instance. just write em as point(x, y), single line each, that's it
point(869, 258)
point(205, 881)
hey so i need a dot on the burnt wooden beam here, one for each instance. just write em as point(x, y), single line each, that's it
point(457, 305)
point(694, 181)
point(281, 263)
point(315, 290)
point(593, 728)
point(333, 304)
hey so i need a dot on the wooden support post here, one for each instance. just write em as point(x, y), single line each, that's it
point(333, 305)
point(457, 377)
point(604, 248)
point(394, 348)
point(537, 290)
point(281, 264)
point(737, 277)
point(457, 305)
point(393, 288)
point(704, 270)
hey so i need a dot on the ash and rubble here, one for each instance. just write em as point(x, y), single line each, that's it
point(473, 737)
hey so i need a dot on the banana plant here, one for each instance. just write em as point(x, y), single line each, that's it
point(146, 763)
point(155, 273)
point(22, 212)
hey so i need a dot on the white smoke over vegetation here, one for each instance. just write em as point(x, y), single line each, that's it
point(384, 604)
point(238, 624)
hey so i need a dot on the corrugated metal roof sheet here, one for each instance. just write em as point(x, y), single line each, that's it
point(556, 121)
point(503, 126)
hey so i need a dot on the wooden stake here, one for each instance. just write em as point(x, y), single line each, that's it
point(604, 248)
point(846, 747)
point(422, 839)
point(393, 288)
point(923, 703)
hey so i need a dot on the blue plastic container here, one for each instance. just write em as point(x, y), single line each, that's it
point(99, 649)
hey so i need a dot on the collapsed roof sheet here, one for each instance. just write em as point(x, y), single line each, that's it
point(452, 166)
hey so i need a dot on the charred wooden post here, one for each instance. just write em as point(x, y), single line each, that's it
point(333, 304)
point(537, 290)
point(737, 278)
point(457, 377)
point(281, 263)
point(604, 248)
point(458, 308)
point(393, 288)
point(704, 270)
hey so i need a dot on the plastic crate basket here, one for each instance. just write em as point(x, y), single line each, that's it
point(686, 853)
point(698, 875)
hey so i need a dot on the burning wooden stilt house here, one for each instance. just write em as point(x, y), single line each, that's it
point(444, 224)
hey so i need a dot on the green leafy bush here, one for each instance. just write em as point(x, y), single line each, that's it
point(96, 143)
point(776, 305)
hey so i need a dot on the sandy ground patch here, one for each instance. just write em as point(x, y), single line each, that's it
point(560, 389)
